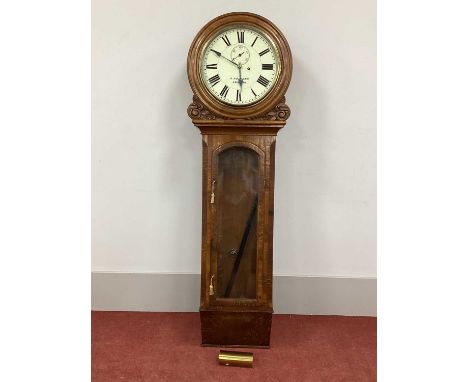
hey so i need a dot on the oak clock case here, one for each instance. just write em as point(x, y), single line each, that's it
point(239, 68)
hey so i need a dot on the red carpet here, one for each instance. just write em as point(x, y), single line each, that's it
point(134, 346)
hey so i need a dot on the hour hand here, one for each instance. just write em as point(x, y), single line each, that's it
point(241, 81)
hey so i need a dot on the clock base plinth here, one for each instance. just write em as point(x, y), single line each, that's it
point(235, 329)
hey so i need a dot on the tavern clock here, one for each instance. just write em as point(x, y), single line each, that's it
point(239, 68)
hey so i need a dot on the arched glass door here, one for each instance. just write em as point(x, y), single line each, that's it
point(237, 201)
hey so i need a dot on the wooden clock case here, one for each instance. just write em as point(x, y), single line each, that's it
point(252, 130)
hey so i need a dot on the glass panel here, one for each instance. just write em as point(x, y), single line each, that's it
point(236, 222)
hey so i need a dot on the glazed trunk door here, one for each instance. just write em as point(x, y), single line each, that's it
point(235, 254)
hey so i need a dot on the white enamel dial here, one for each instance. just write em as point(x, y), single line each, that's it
point(239, 66)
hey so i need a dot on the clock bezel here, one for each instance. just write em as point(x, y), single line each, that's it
point(205, 36)
point(218, 32)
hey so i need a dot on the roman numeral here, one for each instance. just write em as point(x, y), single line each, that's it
point(214, 80)
point(255, 94)
point(212, 66)
point(240, 36)
point(238, 96)
point(264, 52)
point(224, 92)
point(254, 41)
point(226, 40)
point(216, 52)
point(267, 66)
point(263, 81)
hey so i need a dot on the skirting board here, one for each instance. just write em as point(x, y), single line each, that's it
point(158, 292)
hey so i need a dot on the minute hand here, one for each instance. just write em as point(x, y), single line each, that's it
point(227, 59)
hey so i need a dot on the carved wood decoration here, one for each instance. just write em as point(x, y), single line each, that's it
point(238, 183)
point(197, 110)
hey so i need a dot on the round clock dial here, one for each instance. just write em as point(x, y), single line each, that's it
point(239, 66)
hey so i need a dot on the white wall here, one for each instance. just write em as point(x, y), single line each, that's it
point(146, 175)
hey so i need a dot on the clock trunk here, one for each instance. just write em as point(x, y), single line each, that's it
point(237, 249)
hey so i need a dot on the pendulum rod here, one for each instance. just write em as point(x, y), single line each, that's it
point(240, 253)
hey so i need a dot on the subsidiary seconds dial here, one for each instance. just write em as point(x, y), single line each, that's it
point(239, 66)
